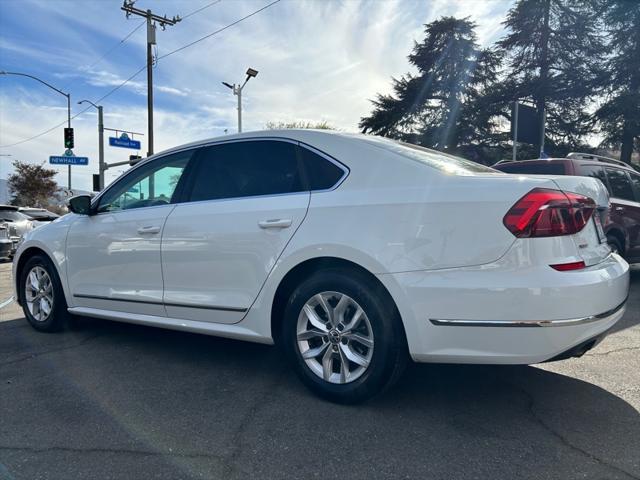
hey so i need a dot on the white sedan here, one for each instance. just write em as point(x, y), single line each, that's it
point(352, 252)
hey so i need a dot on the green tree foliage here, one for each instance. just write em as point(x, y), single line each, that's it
point(31, 185)
point(437, 106)
point(553, 52)
point(619, 116)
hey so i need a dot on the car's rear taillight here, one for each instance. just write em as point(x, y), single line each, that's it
point(548, 213)
point(566, 267)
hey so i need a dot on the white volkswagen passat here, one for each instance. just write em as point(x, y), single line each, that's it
point(352, 252)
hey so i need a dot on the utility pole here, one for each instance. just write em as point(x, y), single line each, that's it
point(129, 9)
point(544, 74)
point(101, 164)
point(237, 90)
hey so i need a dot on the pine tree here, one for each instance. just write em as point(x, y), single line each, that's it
point(620, 114)
point(553, 50)
point(436, 106)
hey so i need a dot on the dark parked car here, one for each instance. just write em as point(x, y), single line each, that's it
point(622, 181)
point(38, 214)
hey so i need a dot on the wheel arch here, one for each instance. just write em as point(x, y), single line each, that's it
point(24, 257)
point(307, 268)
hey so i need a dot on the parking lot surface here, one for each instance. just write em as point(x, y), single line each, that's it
point(109, 400)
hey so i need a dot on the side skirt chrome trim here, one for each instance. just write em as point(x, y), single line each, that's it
point(150, 302)
point(526, 323)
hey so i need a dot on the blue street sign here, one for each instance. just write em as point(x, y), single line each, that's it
point(124, 141)
point(68, 160)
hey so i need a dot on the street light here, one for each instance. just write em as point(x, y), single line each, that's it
point(237, 90)
point(68, 95)
point(101, 165)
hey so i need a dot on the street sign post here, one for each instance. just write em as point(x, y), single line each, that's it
point(124, 141)
point(68, 158)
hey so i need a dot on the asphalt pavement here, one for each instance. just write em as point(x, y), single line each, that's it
point(116, 401)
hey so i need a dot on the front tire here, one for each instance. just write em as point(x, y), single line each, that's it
point(343, 336)
point(43, 302)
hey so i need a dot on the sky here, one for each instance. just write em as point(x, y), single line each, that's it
point(318, 60)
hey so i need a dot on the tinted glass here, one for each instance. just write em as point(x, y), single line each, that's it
point(620, 184)
point(432, 158)
point(595, 171)
point(321, 173)
point(246, 169)
point(534, 168)
point(12, 216)
point(150, 185)
point(635, 180)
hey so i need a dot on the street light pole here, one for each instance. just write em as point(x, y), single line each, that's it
point(68, 95)
point(101, 164)
point(237, 90)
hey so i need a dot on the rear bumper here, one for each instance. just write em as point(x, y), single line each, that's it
point(501, 314)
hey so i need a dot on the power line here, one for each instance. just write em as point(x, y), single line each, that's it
point(113, 47)
point(201, 8)
point(218, 31)
point(118, 87)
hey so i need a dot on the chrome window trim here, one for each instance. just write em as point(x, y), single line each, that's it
point(526, 323)
point(209, 143)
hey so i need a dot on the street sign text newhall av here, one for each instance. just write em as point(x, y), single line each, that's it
point(68, 160)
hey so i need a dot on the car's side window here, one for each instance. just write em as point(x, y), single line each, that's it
point(596, 171)
point(246, 169)
point(151, 185)
point(322, 174)
point(635, 180)
point(620, 184)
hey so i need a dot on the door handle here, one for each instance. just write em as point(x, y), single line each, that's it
point(619, 209)
point(148, 229)
point(275, 223)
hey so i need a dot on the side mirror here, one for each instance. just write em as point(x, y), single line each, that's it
point(80, 204)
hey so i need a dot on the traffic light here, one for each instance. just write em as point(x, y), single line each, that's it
point(133, 159)
point(68, 138)
point(96, 182)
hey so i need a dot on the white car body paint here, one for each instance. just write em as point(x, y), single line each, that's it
point(434, 238)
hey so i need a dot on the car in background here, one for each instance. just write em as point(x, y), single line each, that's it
point(622, 227)
point(39, 214)
point(6, 245)
point(18, 224)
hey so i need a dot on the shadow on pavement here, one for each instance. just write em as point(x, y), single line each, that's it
point(127, 401)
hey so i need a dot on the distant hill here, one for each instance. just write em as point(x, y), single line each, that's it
point(4, 191)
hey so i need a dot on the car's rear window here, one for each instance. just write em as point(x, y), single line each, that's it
point(534, 168)
point(432, 158)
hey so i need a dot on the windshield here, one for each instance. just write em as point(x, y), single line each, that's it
point(441, 161)
point(12, 216)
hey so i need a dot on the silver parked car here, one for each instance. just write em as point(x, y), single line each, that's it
point(18, 224)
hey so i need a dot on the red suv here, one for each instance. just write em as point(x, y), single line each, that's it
point(622, 181)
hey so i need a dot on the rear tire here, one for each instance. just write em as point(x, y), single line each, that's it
point(343, 336)
point(41, 295)
point(615, 245)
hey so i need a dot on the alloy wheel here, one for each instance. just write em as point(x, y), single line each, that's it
point(39, 293)
point(335, 337)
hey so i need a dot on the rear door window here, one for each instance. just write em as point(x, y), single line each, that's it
point(534, 168)
point(595, 171)
point(635, 181)
point(620, 184)
point(246, 169)
point(322, 174)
